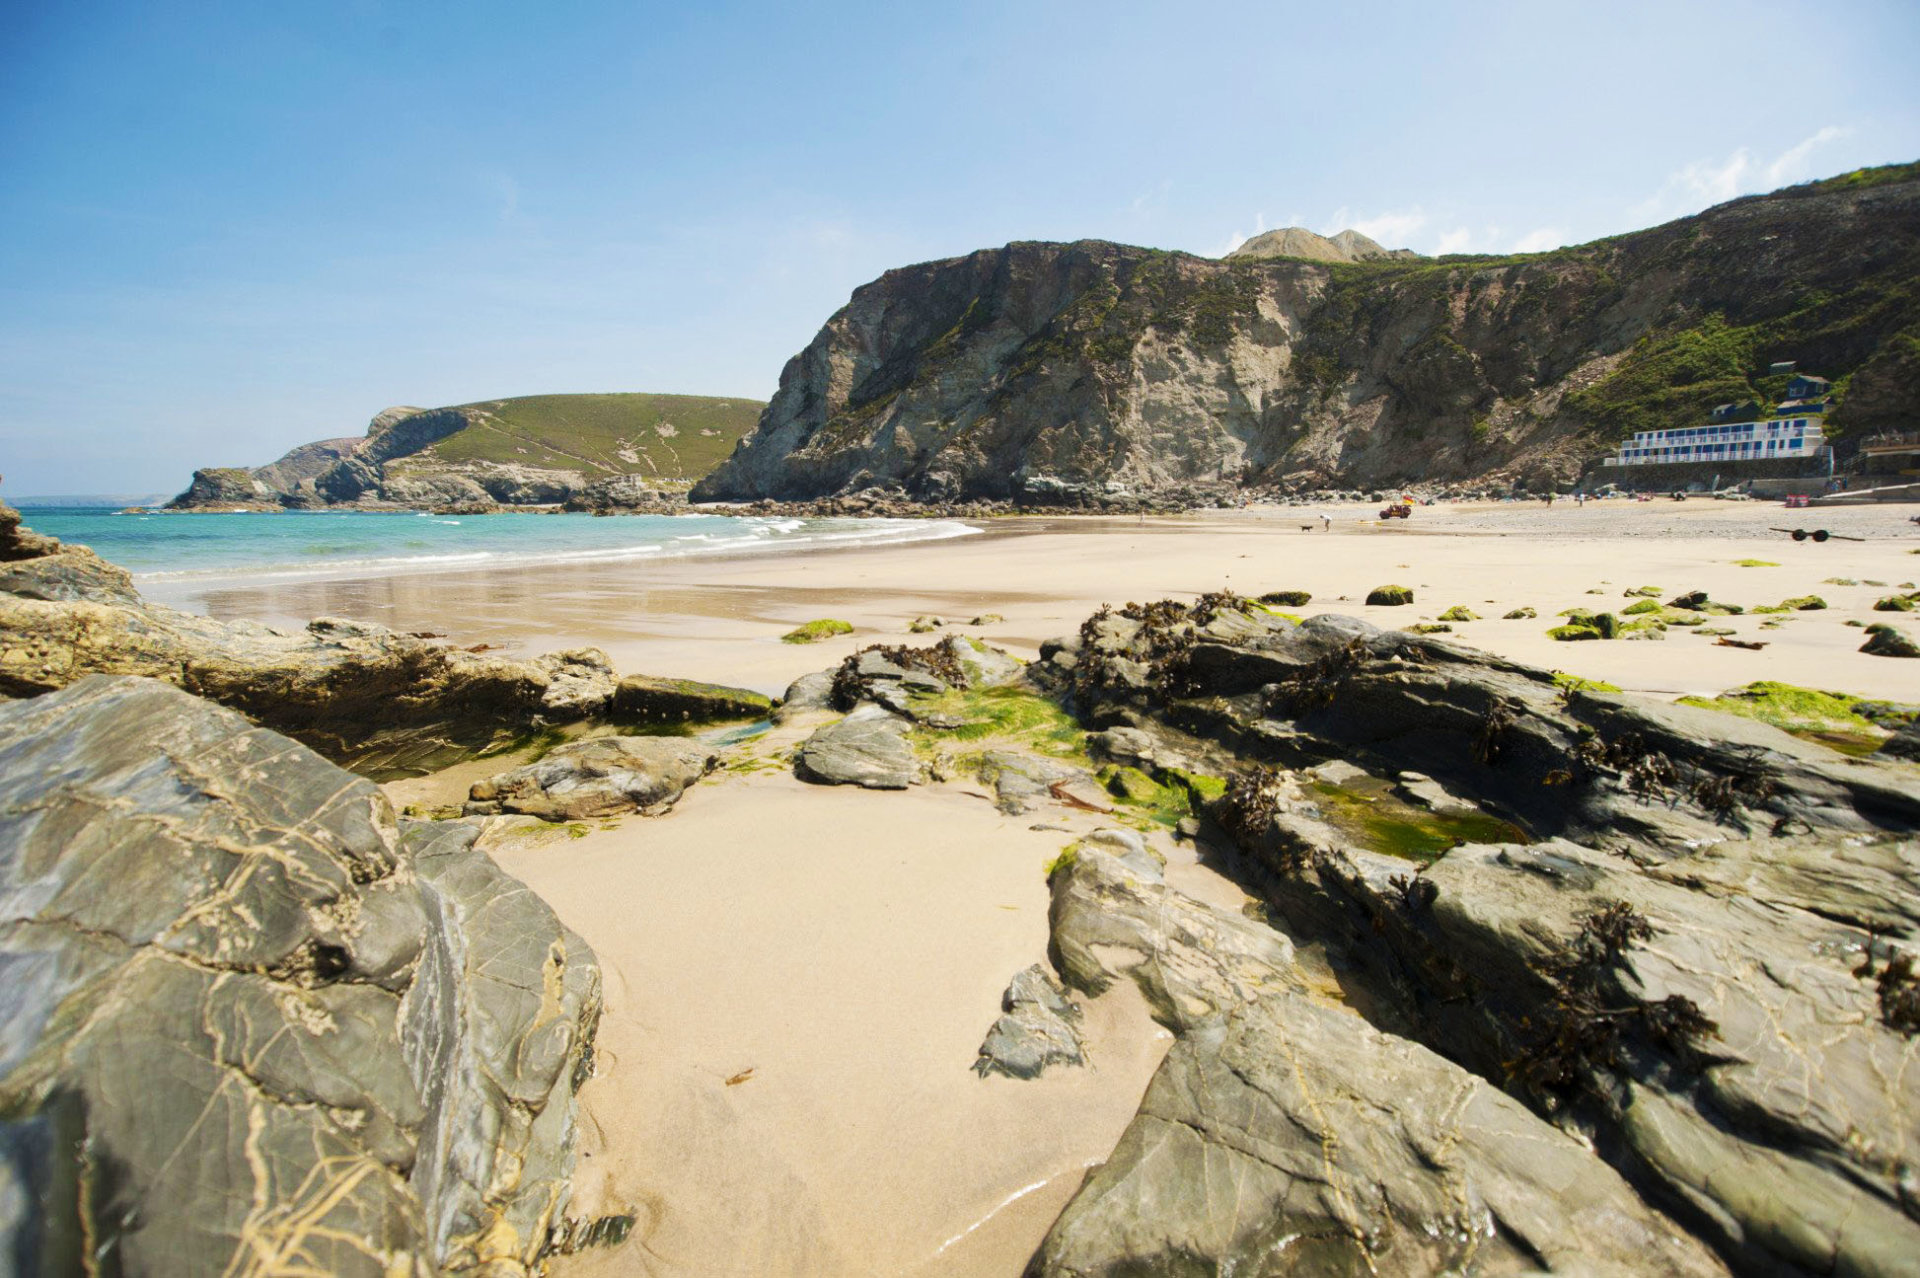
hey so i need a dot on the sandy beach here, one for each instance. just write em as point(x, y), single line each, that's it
point(720, 619)
point(798, 977)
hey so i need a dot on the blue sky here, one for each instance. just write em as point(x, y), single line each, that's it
point(226, 229)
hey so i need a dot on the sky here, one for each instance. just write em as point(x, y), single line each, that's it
point(230, 228)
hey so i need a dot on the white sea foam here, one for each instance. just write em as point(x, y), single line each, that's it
point(757, 536)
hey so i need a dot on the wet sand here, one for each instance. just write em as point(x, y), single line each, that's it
point(720, 619)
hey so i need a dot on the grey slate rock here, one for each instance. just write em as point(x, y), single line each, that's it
point(868, 748)
point(1022, 782)
point(597, 777)
point(248, 1016)
point(1039, 1026)
point(808, 693)
point(1284, 1137)
point(1113, 916)
point(985, 665)
point(1904, 744)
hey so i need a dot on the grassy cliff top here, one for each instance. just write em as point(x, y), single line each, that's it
point(671, 436)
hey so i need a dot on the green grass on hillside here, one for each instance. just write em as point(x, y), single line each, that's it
point(664, 436)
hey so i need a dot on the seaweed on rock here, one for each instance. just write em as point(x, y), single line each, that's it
point(1580, 1035)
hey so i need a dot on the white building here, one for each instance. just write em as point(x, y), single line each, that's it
point(1779, 437)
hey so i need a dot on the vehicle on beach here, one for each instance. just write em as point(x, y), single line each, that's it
point(1398, 510)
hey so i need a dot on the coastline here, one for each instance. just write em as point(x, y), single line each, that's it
point(719, 618)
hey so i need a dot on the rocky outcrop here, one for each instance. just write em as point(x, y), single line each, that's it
point(1093, 373)
point(598, 777)
point(227, 488)
point(1636, 977)
point(35, 566)
point(254, 1024)
point(385, 703)
point(589, 452)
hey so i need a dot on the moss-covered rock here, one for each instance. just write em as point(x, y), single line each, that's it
point(1132, 785)
point(648, 699)
point(1520, 614)
point(1573, 633)
point(1641, 607)
point(1887, 641)
point(1430, 628)
point(1287, 598)
point(1459, 612)
point(812, 631)
point(1896, 603)
point(1389, 596)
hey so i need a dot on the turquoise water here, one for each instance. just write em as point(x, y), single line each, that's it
point(187, 547)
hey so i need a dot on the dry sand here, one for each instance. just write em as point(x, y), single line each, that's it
point(798, 977)
point(798, 980)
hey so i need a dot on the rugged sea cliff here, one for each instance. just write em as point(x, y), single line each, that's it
point(1055, 373)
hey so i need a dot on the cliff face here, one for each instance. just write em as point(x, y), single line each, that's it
point(1060, 371)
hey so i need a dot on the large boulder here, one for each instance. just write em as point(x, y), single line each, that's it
point(1285, 1137)
point(251, 1023)
point(868, 748)
point(598, 777)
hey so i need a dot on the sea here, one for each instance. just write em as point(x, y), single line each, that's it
point(191, 547)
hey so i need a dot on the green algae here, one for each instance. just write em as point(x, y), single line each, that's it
point(1372, 816)
point(1826, 718)
point(824, 628)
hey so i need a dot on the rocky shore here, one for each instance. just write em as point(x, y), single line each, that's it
point(1530, 976)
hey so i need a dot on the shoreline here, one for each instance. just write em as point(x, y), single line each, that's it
point(720, 618)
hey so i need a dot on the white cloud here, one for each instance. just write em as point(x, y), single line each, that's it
point(1540, 240)
point(1390, 230)
point(1792, 164)
point(1458, 240)
point(1707, 182)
